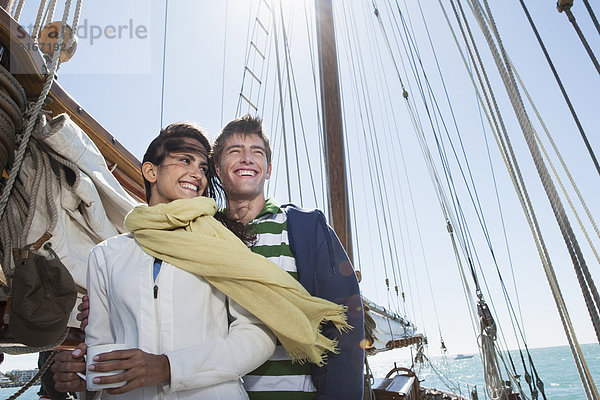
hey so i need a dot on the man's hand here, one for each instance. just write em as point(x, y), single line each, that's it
point(141, 369)
point(84, 311)
point(65, 366)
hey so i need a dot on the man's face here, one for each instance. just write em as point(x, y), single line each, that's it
point(243, 167)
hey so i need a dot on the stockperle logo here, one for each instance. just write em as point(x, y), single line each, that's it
point(87, 31)
point(107, 41)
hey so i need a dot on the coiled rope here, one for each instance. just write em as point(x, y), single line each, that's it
point(35, 112)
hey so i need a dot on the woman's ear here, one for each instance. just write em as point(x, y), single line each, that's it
point(149, 171)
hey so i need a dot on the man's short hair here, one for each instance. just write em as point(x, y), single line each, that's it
point(246, 125)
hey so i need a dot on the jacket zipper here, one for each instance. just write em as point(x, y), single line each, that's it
point(156, 270)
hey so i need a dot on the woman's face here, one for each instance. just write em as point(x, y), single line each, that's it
point(181, 175)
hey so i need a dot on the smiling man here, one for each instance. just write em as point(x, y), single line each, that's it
point(302, 243)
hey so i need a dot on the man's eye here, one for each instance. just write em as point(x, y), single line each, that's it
point(185, 160)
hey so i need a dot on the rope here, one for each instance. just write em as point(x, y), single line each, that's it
point(50, 12)
point(76, 17)
point(562, 88)
point(559, 212)
point(20, 350)
point(34, 114)
point(367, 128)
point(37, 376)
point(582, 272)
point(493, 378)
point(18, 10)
point(311, 47)
point(286, 54)
point(514, 173)
point(589, 50)
point(38, 21)
point(224, 55)
point(164, 66)
point(281, 105)
point(378, 166)
point(559, 181)
point(592, 15)
point(419, 235)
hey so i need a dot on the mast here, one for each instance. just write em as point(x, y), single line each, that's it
point(331, 110)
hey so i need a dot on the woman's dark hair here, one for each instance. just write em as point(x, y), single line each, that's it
point(169, 141)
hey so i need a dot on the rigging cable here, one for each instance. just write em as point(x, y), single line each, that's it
point(585, 279)
point(38, 21)
point(568, 173)
point(513, 366)
point(592, 15)
point(508, 142)
point(164, 65)
point(50, 12)
point(292, 79)
point(281, 104)
point(492, 172)
point(358, 80)
point(562, 88)
point(522, 194)
point(311, 46)
point(431, 168)
point(224, 65)
point(567, 9)
point(18, 8)
point(381, 179)
point(548, 268)
point(395, 128)
point(481, 218)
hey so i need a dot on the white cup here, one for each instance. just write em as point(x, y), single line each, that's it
point(93, 351)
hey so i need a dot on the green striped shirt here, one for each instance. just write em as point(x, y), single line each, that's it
point(277, 378)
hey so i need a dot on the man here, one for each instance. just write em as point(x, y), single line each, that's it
point(301, 243)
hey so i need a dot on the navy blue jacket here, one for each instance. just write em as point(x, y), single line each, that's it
point(325, 271)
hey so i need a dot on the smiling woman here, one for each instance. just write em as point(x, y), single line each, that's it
point(183, 174)
point(181, 150)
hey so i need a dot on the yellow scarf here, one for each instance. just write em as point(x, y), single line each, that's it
point(185, 234)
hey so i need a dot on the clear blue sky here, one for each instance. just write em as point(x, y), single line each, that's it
point(119, 82)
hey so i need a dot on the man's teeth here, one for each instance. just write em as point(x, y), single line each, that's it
point(189, 186)
point(245, 173)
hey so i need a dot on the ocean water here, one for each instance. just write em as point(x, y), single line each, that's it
point(555, 367)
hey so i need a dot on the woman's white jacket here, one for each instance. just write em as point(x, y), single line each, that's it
point(210, 341)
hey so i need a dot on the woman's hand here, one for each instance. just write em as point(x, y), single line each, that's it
point(141, 369)
point(84, 311)
point(65, 367)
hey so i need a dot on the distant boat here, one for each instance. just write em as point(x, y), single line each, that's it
point(463, 356)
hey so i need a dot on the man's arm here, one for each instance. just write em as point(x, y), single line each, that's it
point(335, 280)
